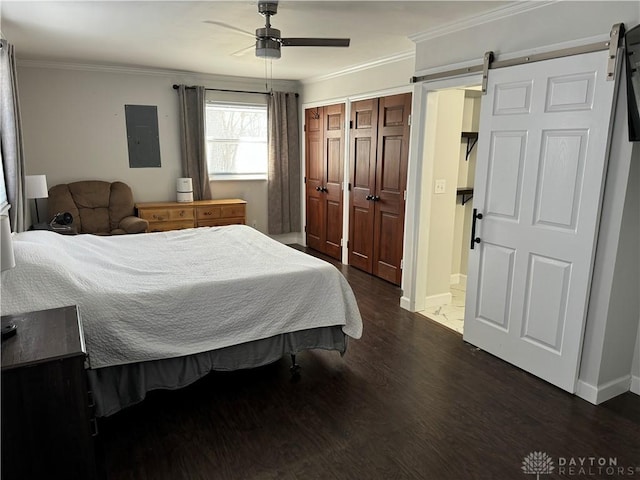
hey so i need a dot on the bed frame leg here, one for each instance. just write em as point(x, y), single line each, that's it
point(295, 368)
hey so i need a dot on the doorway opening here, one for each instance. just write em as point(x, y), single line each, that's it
point(452, 124)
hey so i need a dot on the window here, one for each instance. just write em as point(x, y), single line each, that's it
point(236, 141)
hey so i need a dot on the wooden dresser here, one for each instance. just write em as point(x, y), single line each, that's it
point(163, 216)
point(48, 426)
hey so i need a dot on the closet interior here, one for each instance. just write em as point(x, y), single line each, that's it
point(453, 117)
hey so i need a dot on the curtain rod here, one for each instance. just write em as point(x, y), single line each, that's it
point(175, 87)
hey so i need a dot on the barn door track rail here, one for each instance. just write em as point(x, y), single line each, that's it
point(612, 45)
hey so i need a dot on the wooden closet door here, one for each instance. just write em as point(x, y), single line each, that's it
point(333, 158)
point(362, 153)
point(314, 175)
point(391, 182)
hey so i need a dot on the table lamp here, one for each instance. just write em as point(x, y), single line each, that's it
point(7, 260)
point(36, 187)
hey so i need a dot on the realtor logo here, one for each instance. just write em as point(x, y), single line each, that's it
point(537, 463)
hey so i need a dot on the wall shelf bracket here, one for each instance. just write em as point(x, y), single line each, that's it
point(466, 194)
point(472, 139)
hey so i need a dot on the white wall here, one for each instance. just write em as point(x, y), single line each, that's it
point(624, 309)
point(360, 82)
point(445, 156)
point(458, 242)
point(614, 308)
point(538, 24)
point(635, 371)
point(74, 128)
point(466, 175)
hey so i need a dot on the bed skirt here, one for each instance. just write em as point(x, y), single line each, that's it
point(120, 386)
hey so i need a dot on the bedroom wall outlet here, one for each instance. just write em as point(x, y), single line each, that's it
point(441, 185)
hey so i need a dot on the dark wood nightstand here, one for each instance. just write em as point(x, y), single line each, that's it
point(65, 230)
point(47, 424)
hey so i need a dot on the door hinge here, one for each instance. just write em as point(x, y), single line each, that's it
point(304, 127)
point(488, 58)
point(350, 124)
point(341, 242)
point(401, 263)
point(617, 33)
point(409, 120)
point(405, 195)
point(305, 179)
point(305, 229)
point(347, 244)
point(349, 186)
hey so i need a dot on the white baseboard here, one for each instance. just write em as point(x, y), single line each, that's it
point(288, 238)
point(458, 279)
point(406, 304)
point(635, 385)
point(602, 393)
point(434, 300)
point(587, 392)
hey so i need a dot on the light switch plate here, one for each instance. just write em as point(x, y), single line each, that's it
point(440, 186)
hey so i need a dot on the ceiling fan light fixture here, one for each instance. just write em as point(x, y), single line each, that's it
point(268, 39)
point(267, 48)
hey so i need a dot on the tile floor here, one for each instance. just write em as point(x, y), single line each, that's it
point(451, 315)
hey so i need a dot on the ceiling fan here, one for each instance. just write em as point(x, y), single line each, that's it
point(268, 40)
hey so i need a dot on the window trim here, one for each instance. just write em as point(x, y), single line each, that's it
point(228, 177)
point(225, 177)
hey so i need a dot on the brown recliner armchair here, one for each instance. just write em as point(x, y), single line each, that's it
point(98, 207)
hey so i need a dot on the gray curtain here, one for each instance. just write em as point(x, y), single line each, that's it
point(11, 138)
point(284, 164)
point(192, 135)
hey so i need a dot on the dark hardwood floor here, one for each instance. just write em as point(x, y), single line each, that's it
point(409, 400)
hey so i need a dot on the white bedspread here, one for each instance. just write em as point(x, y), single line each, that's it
point(160, 295)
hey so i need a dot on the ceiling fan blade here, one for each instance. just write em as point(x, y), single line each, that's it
point(231, 27)
point(244, 50)
point(315, 42)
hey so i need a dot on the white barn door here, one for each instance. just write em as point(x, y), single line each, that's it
point(541, 163)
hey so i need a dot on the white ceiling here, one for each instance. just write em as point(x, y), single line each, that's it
point(173, 35)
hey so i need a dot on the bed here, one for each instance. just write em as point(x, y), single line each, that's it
point(160, 310)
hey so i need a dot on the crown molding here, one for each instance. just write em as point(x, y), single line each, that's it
point(399, 57)
point(120, 69)
point(473, 21)
point(190, 77)
point(496, 14)
point(90, 67)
